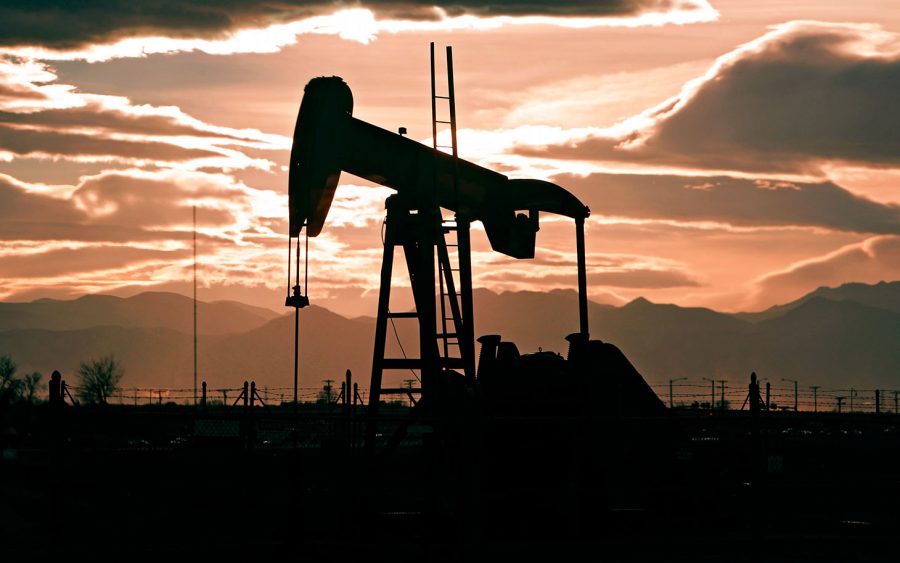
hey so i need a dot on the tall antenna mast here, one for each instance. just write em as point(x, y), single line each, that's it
point(195, 304)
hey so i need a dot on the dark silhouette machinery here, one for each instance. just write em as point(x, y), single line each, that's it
point(595, 378)
point(329, 140)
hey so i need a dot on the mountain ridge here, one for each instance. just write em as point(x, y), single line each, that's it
point(835, 342)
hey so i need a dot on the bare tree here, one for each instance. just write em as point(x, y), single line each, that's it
point(99, 379)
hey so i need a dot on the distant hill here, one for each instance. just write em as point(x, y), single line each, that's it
point(834, 342)
point(838, 343)
point(151, 356)
point(883, 295)
point(145, 310)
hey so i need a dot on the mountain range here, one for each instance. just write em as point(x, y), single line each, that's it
point(834, 337)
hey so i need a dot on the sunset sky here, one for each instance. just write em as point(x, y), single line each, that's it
point(735, 154)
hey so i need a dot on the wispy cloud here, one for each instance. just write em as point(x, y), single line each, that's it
point(41, 117)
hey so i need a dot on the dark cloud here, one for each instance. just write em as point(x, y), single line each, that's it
point(88, 232)
point(96, 116)
point(59, 262)
point(18, 205)
point(801, 95)
point(735, 201)
point(62, 24)
point(19, 92)
point(57, 143)
point(123, 199)
point(112, 207)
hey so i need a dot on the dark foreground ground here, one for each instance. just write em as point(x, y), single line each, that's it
point(269, 484)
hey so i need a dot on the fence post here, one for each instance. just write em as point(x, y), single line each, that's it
point(55, 389)
point(252, 394)
point(203, 397)
point(877, 401)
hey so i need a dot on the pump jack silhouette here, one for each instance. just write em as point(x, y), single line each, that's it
point(328, 140)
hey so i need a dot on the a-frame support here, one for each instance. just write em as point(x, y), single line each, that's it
point(419, 234)
point(418, 227)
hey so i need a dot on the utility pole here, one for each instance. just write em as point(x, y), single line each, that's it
point(840, 401)
point(195, 305)
point(671, 381)
point(328, 391)
point(722, 402)
point(815, 390)
point(712, 396)
point(852, 394)
point(794, 381)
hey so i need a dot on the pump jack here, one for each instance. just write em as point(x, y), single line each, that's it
point(329, 140)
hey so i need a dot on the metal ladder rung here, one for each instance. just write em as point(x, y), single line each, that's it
point(447, 335)
point(442, 121)
point(404, 315)
point(442, 97)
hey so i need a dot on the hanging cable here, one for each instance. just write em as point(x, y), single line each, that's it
point(305, 265)
point(288, 296)
point(391, 319)
point(400, 344)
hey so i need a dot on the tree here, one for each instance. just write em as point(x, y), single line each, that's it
point(10, 387)
point(30, 385)
point(99, 379)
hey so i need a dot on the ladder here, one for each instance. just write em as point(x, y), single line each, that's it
point(454, 280)
point(450, 297)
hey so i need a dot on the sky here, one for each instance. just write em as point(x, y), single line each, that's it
point(734, 154)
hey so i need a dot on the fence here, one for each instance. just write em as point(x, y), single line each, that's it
point(725, 395)
point(682, 394)
point(223, 395)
